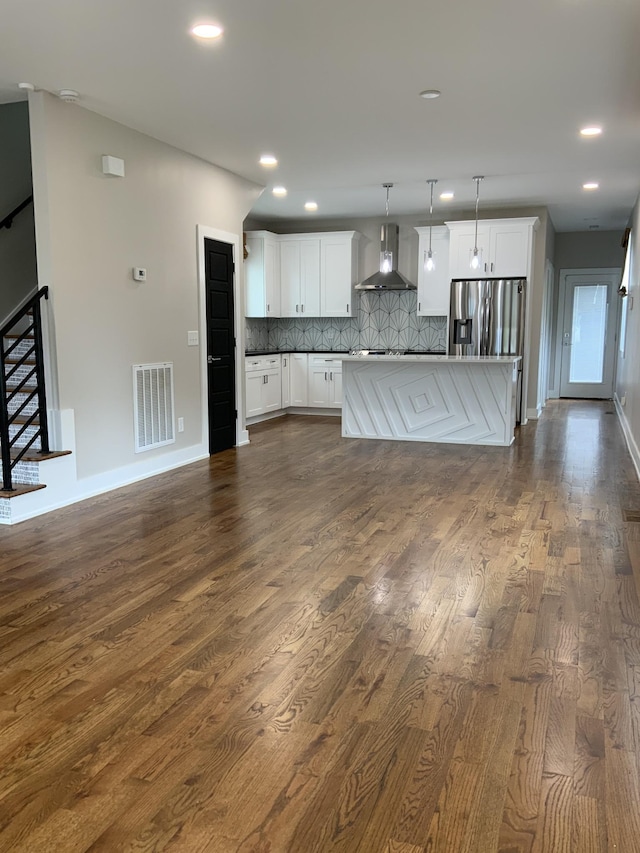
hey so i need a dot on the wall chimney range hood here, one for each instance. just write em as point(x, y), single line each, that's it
point(388, 277)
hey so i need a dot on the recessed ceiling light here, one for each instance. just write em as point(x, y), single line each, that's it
point(207, 31)
point(430, 94)
point(591, 185)
point(268, 160)
point(311, 205)
point(279, 191)
point(591, 131)
point(446, 196)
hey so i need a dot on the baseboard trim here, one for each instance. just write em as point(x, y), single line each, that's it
point(534, 413)
point(632, 447)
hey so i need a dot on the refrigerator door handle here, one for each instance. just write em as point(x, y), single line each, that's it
point(486, 325)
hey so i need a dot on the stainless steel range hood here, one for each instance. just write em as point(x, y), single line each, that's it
point(388, 277)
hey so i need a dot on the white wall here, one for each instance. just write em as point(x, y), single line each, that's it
point(91, 230)
point(17, 244)
point(627, 382)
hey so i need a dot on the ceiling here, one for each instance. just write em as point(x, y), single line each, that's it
point(332, 89)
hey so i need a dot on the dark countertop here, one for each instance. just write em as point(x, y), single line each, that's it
point(345, 351)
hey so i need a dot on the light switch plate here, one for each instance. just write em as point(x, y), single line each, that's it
point(192, 339)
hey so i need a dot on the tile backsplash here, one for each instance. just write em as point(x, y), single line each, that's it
point(383, 321)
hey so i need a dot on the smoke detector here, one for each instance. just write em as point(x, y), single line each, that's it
point(68, 95)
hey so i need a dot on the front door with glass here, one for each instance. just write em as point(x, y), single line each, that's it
point(588, 334)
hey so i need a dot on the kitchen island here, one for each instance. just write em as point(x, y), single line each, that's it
point(435, 398)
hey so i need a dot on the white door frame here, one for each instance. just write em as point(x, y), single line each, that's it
point(562, 290)
point(202, 232)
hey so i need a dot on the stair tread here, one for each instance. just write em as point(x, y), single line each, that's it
point(21, 489)
point(35, 455)
point(22, 419)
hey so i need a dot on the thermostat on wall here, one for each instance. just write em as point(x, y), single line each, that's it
point(139, 274)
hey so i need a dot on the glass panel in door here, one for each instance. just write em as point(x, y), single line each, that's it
point(588, 333)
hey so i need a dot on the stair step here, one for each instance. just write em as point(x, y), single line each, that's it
point(35, 455)
point(21, 489)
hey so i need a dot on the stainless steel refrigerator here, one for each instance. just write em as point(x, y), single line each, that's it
point(486, 317)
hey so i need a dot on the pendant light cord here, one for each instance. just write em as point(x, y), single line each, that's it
point(477, 179)
point(431, 181)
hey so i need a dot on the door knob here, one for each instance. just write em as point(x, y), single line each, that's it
point(211, 359)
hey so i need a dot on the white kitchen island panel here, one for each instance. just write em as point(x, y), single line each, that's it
point(445, 399)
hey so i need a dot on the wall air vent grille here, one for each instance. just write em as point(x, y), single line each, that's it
point(153, 405)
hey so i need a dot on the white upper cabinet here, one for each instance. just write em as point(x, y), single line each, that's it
point(433, 285)
point(262, 284)
point(338, 273)
point(505, 247)
point(462, 242)
point(299, 276)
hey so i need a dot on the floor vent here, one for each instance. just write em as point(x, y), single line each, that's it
point(153, 405)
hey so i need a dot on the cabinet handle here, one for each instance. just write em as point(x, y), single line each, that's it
point(265, 380)
point(268, 307)
point(297, 307)
point(331, 376)
point(284, 362)
point(347, 307)
point(302, 309)
point(491, 266)
point(325, 376)
point(419, 305)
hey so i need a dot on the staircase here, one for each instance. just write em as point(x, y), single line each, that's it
point(24, 436)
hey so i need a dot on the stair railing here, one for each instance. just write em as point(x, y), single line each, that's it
point(11, 452)
point(7, 222)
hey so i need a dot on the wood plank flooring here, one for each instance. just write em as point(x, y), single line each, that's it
point(314, 644)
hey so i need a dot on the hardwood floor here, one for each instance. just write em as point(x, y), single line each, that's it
point(316, 644)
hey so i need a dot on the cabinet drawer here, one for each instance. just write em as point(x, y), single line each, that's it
point(261, 362)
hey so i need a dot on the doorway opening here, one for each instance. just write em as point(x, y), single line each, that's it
point(587, 330)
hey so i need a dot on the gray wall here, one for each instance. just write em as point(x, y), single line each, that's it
point(91, 230)
point(17, 245)
point(588, 250)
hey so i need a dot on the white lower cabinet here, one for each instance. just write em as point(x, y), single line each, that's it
point(298, 379)
point(286, 380)
point(263, 385)
point(325, 381)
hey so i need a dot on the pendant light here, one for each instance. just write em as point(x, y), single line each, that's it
point(475, 259)
point(429, 263)
point(386, 255)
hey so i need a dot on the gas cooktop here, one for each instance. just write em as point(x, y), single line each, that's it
point(397, 352)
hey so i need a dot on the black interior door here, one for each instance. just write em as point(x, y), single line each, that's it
point(219, 272)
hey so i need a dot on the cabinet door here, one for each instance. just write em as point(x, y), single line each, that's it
point(462, 244)
point(255, 302)
point(298, 376)
point(285, 383)
point(508, 250)
point(319, 384)
point(336, 277)
point(309, 277)
point(434, 285)
point(289, 278)
point(253, 393)
point(272, 391)
point(335, 388)
point(271, 282)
